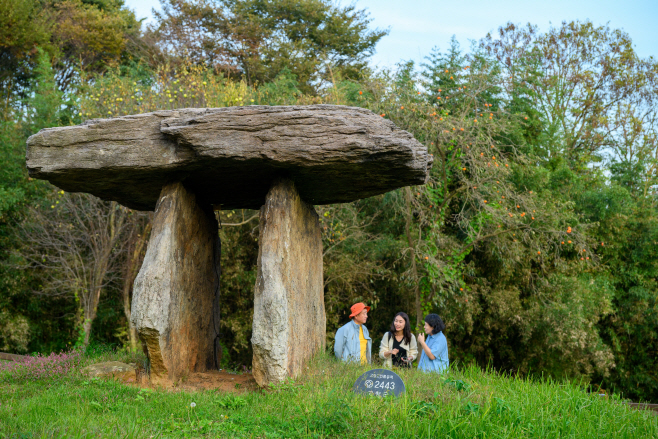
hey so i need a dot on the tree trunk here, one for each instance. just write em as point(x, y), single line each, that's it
point(91, 308)
point(133, 263)
point(103, 239)
point(412, 255)
point(86, 327)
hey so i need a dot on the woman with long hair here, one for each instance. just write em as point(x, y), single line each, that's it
point(434, 354)
point(398, 347)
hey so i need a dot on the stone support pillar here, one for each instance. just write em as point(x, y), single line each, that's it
point(289, 324)
point(174, 290)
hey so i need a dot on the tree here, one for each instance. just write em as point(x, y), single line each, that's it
point(315, 40)
point(76, 243)
point(592, 103)
point(23, 28)
point(579, 77)
point(90, 36)
point(74, 34)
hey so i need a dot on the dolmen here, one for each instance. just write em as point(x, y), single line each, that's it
point(184, 165)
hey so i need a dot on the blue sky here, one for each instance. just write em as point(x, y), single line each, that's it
point(416, 26)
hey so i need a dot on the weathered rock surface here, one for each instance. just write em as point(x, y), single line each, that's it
point(289, 318)
point(115, 369)
point(231, 156)
point(174, 290)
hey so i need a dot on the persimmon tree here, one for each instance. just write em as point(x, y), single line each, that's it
point(591, 102)
point(484, 243)
point(455, 109)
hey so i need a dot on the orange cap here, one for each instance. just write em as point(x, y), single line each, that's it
point(357, 308)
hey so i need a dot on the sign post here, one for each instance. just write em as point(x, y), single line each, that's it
point(380, 382)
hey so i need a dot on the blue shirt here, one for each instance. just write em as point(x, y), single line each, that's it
point(439, 347)
point(347, 346)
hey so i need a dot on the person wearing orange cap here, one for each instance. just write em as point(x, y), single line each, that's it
point(352, 341)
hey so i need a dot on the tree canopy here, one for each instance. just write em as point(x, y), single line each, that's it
point(316, 40)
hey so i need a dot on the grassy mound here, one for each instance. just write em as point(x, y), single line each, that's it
point(465, 403)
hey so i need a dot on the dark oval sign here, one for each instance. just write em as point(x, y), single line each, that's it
point(380, 382)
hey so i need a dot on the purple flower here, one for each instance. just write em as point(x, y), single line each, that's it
point(41, 366)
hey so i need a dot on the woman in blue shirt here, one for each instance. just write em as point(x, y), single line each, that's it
point(434, 351)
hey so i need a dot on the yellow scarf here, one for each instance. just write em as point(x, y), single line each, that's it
point(364, 346)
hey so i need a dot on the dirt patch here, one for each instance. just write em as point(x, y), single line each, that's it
point(220, 380)
point(212, 380)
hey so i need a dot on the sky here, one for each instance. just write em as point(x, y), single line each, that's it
point(417, 26)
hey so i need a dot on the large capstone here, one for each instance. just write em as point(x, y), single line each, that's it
point(174, 290)
point(289, 318)
point(231, 156)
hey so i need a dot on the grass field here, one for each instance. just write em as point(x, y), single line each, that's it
point(465, 403)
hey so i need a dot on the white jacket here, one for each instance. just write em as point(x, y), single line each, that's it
point(387, 345)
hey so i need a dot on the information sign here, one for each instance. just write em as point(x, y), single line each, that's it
point(380, 382)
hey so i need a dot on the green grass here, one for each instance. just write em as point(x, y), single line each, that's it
point(467, 403)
